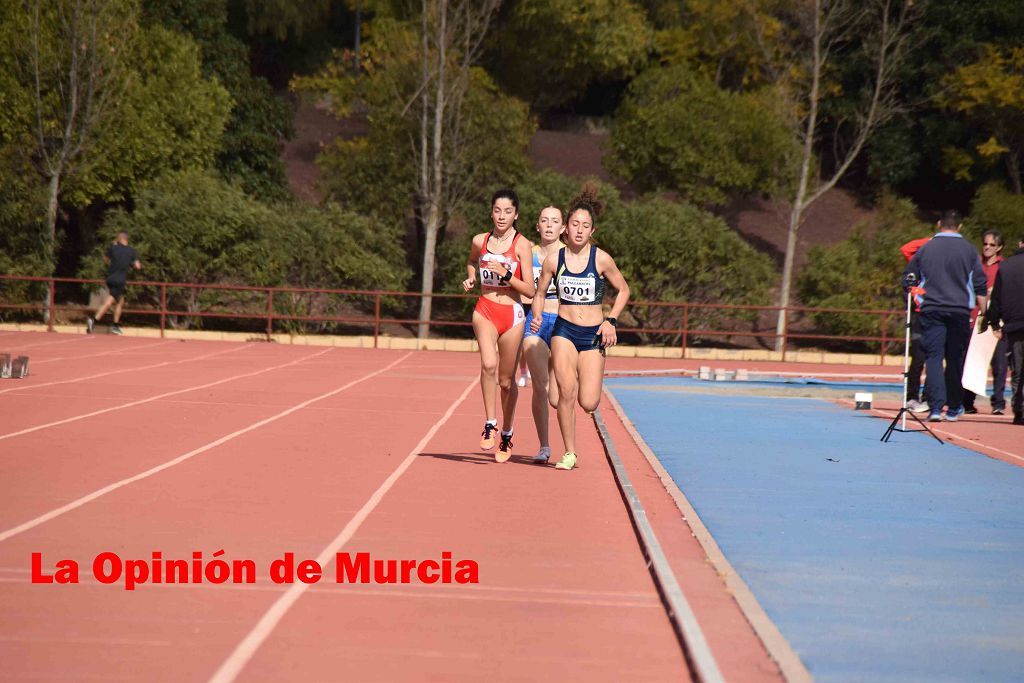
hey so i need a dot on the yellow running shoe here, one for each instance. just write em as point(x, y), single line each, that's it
point(567, 462)
point(505, 449)
point(487, 438)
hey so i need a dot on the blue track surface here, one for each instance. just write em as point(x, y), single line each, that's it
point(900, 562)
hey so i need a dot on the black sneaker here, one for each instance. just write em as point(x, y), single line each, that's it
point(998, 411)
point(89, 324)
point(970, 410)
point(487, 437)
point(116, 329)
point(505, 449)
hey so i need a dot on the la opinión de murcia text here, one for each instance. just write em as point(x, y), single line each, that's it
point(109, 568)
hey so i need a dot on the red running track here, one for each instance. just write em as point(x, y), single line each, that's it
point(132, 446)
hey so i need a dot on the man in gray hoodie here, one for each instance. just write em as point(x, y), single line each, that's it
point(949, 270)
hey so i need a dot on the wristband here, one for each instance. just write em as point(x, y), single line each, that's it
point(506, 278)
point(613, 321)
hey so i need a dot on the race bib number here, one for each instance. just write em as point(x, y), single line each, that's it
point(577, 290)
point(490, 278)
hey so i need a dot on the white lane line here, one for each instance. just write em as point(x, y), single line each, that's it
point(115, 372)
point(104, 353)
point(79, 502)
point(131, 404)
point(245, 650)
point(51, 343)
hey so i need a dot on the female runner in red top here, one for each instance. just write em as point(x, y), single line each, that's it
point(498, 319)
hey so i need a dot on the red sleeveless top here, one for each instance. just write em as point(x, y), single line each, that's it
point(488, 277)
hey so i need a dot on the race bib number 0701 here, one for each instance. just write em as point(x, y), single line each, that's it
point(577, 290)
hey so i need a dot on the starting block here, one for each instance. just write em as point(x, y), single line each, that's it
point(13, 368)
point(723, 375)
point(862, 401)
point(704, 373)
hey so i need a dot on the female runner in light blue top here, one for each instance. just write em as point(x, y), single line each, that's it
point(581, 332)
point(537, 345)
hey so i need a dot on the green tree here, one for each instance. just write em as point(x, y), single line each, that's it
point(23, 246)
point(880, 31)
point(440, 129)
point(250, 145)
point(927, 151)
point(863, 272)
point(331, 248)
point(123, 106)
point(671, 251)
point(994, 208)
point(549, 51)
point(171, 118)
point(737, 44)
point(191, 226)
point(663, 138)
point(66, 70)
point(281, 17)
point(989, 93)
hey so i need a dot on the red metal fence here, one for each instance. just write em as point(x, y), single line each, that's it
point(727, 315)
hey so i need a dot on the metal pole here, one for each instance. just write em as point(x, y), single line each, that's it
point(885, 340)
point(270, 314)
point(163, 308)
point(686, 326)
point(785, 335)
point(906, 357)
point(53, 293)
point(376, 318)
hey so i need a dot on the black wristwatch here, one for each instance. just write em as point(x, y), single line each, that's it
point(614, 321)
point(506, 278)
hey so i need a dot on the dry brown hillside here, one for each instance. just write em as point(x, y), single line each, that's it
point(577, 152)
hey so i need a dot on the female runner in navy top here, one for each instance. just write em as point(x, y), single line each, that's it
point(498, 318)
point(581, 332)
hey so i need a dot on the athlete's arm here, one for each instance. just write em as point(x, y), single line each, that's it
point(606, 267)
point(547, 271)
point(474, 257)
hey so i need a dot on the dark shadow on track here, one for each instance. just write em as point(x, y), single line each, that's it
point(483, 459)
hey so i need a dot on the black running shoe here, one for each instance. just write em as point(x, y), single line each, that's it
point(487, 437)
point(505, 450)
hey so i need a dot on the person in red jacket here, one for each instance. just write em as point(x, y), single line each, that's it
point(914, 401)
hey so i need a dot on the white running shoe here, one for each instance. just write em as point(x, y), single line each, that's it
point(521, 381)
point(917, 406)
point(542, 455)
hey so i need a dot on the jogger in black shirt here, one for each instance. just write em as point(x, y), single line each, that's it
point(120, 258)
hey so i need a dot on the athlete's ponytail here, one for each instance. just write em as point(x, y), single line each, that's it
point(587, 200)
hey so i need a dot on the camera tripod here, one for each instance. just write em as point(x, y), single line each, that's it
point(910, 281)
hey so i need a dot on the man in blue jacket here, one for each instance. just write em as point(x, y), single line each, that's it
point(949, 270)
point(1006, 315)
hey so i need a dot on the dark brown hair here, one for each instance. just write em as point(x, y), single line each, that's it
point(587, 200)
